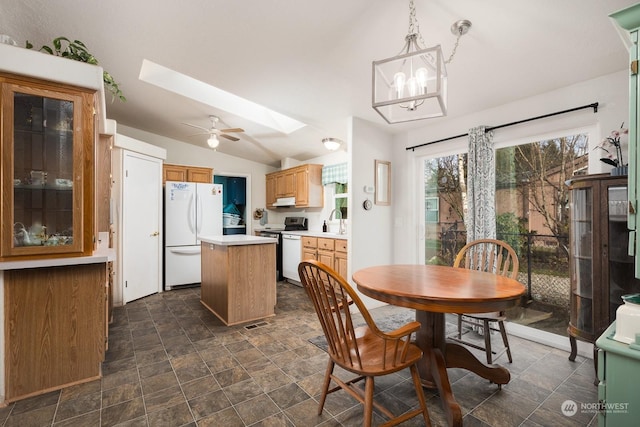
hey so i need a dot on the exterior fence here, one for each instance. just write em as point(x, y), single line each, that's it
point(544, 262)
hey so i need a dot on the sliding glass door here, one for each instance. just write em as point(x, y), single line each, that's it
point(531, 215)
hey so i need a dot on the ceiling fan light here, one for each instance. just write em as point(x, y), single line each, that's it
point(332, 143)
point(213, 141)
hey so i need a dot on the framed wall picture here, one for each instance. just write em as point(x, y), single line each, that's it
point(383, 183)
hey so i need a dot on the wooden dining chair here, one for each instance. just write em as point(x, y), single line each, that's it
point(365, 351)
point(493, 256)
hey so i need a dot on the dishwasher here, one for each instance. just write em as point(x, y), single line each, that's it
point(291, 255)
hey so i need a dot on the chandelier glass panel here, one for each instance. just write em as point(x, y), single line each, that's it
point(413, 84)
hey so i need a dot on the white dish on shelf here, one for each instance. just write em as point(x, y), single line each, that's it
point(64, 182)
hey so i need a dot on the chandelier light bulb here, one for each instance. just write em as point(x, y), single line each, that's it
point(421, 77)
point(399, 79)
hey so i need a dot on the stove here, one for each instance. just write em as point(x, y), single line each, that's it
point(291, 223)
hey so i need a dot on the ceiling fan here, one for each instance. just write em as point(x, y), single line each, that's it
point(214, 132)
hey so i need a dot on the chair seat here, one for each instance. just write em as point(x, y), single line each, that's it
point(374, 347)
point(493, 316)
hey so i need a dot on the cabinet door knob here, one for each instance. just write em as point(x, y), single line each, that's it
point(155, 233)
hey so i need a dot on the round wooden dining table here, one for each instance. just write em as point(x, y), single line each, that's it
point(433, 290)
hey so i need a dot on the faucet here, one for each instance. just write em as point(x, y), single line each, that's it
point(343, 228)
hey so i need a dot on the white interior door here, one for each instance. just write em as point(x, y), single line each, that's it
point(142, 226)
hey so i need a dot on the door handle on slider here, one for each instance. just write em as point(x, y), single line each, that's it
point(155, 233)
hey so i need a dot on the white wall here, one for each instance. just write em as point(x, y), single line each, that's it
point(370, 232)
point(611, 91)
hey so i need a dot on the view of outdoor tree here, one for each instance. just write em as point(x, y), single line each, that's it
point(541, 171)
point(532, 180)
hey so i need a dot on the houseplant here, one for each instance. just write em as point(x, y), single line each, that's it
point(612, 143)
point(77, 51)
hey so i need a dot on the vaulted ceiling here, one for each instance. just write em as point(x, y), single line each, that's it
point(311, 60)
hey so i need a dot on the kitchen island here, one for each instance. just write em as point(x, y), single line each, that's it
point(238, 281)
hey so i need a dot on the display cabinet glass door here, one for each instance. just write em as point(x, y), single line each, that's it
point(582, 253)
point(46, 155)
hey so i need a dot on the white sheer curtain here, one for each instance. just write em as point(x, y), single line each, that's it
point(480, 212)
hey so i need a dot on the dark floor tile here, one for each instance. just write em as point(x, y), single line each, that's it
point(256, 409)
point(122, 412)
point(242, 391)
point(288, 395)
point(36, 402)
point(159, 382)
point(84, 420)
point(306, 414)
point(189, 367)
point(177, 415)
point(504, 409)
point(227, 417)
point(40, 416)
point(208, 404)
point(120, 394)
point(163, 399)
point(231, 376)
point(200, 386)
point(79, 405)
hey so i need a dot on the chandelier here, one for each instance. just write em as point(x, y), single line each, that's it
point(413, 84)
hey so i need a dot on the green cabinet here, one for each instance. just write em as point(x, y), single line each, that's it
point(628, 20)
point(619, 374)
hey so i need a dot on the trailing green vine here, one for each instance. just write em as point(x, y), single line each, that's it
point(77, 51)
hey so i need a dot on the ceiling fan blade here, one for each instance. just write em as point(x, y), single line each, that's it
point(233, 138)
point(199, 133)
point(196, 126)
point(232, 130)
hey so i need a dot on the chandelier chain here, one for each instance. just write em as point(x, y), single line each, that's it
point(455, 47)
point(414, 25)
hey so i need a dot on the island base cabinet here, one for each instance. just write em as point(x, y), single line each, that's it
point(54, 327)
point(239, 281)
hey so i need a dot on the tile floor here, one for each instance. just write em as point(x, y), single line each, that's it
point(172, 363)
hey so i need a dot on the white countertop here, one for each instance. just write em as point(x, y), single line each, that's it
point(237, 239)
point(310, 233)
point(99, 256)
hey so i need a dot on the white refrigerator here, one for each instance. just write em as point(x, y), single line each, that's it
point(191, 210)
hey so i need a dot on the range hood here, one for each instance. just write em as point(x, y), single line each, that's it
point(285, 202)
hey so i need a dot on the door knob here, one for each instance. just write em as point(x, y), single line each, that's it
point(155, 233)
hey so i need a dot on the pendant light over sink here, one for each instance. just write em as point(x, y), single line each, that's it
point(413, 84)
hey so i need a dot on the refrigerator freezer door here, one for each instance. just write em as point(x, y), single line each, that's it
point(209, 210)
point(182, 266)
point(180, 211)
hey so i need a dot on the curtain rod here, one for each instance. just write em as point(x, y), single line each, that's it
point(490, 128)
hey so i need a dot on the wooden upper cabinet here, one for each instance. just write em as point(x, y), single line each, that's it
point(199, 175)
point(270, 197)
point(183, 173)
point(302, 182)
point(174, 173)
point(48, 146)
point(286, 184)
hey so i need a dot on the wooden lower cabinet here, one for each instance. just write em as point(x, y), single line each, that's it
point(331, 252)
point(55, 332)
point(340, 262)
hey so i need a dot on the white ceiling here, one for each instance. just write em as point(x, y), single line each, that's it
point(311, 60)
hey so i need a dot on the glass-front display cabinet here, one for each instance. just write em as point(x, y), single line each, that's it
point(600, 266)
point(47, 159)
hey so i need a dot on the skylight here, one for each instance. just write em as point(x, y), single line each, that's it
point(189, 87)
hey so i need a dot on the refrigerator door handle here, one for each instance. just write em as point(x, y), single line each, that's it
point(199, 218)
point(191, 215)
